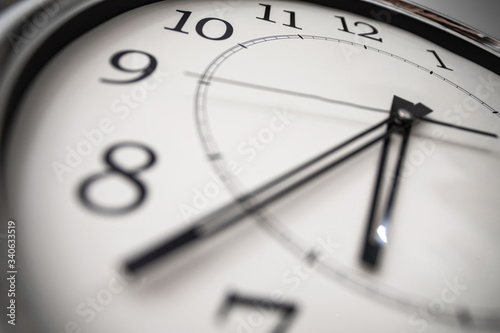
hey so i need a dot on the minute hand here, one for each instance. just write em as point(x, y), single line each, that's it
point(252, 202)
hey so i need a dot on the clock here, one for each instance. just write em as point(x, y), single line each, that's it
point(248, 166)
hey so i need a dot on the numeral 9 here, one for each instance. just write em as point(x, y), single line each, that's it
point(145, 72)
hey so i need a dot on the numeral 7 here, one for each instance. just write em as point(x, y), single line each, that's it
point(288, 310)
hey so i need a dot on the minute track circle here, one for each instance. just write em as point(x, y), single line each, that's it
point(53, 98)
point(392, 297)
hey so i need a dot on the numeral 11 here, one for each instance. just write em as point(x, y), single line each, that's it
point(267, 17)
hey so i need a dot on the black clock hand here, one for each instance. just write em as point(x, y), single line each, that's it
point(376, 239)
point(248, 204)
point(252, 202)
point(327, 100)
point(284, 92)
point(459, 127)
point(369, 248)
point(403, 113)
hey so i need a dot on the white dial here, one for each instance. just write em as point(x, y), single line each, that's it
point(197, 129)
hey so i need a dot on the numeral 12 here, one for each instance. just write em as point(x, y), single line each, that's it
point(369, 34)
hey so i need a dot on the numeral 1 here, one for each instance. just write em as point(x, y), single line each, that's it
point(267, 17)
point(441, 63)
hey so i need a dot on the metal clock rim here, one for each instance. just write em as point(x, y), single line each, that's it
point(19, 68)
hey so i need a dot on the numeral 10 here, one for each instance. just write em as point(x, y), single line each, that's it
point(200, 26)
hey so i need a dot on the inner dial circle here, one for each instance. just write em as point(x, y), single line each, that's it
point(274, 132)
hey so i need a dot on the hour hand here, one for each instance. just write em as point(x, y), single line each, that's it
point(403, 114)
point(252, 202)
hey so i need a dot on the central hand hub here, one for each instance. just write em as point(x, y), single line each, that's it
point(404, 112)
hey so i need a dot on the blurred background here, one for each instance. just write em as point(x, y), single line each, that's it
point(480, 14)
point(5, 3)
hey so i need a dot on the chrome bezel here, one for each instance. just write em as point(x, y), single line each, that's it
point(15, 57)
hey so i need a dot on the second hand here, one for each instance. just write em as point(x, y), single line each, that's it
point(326, 100)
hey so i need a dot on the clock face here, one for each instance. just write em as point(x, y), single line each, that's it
point(242, 166)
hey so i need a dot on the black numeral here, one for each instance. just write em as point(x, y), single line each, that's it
point(127, 175)
point(369, 34)
point(182, 22)
point(146, 71)
point(288, 310)
point(344, 25)
point(228, 33)
point(441, 63)
point(267, 14)
point(200, 26)
point(267, 17)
